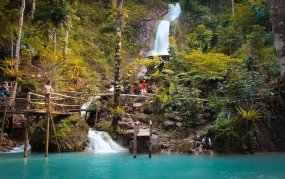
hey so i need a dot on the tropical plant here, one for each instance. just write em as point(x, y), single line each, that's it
point(252, 115)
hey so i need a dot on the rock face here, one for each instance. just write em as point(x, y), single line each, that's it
point(143, 145)
point(148, 27)
point(75, 141)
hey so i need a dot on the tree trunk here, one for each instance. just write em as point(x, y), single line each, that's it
point(64, 51)
point(54, 41)
point(277, 12)
point(12, 40)
point(17, 52)
point(117, 90)
point(33, 8)
point(117, 85)
point(233, 7)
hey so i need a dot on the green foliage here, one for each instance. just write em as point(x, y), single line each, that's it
point(64, 126)
point(210, 66)
point(29, 85)
point(113, 132)
point(117, 112)
point(235, 135)
point(215, 105)
point(200, 39)
point(252, 115)
point(7, 65)
point(242, 83)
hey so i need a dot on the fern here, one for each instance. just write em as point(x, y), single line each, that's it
point(252, 115)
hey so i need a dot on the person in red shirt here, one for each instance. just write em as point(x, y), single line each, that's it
point(143, 87)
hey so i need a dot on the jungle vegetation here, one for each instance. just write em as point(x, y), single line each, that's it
point(219, 52)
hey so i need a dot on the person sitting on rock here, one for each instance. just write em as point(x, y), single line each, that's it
point(196, 141)
point(3, 90)
point(206, 142)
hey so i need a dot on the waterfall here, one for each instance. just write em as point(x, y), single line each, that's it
point(100, 141)
point(19, 149)
point(174, 11)
point(85, 106)
point(160, 45)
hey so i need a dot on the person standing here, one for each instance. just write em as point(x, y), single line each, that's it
point(153, 87)
point(143, 87)
point(48, 89)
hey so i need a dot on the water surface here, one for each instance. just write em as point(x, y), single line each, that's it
point(122, 165)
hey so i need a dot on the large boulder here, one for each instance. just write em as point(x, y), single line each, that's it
point(74, 141)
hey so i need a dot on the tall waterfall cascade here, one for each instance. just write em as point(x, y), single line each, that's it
point(161, 45)
point(100, 141)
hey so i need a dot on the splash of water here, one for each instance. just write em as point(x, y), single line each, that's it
point(19, 149)
point(100, 141)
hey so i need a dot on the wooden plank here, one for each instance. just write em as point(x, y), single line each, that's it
point(143, 132)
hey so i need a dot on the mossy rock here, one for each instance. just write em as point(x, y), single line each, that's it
point(74, 141)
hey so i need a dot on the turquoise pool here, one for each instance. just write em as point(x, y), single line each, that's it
point(122, 165)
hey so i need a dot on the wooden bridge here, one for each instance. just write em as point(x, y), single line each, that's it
point(39, 105)
point(52, 104)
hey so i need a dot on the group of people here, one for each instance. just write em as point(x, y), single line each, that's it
point(197, 142)
point(144, 87)
point(4, 90)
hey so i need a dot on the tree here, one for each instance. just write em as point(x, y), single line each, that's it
point(18, 43)
point(277, 12)
point(117, 91)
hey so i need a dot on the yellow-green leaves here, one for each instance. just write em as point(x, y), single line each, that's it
point(207, 66)
point(200, 39)
point(7, 66)
point(252, 115)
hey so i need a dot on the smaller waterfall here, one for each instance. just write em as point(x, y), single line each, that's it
point(85, 106)
point(174, 11)
point(100, 141)
point(19, 149)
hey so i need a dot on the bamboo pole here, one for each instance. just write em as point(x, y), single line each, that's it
point(26, 139)
point(58, 147)
point(47, 125)
point(150, 134)
point(135, 139)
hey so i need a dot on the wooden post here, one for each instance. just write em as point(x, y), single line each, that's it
point(278, 84)
point(4, 119)
point(150, 134)
point(80, 107)
point(26, 139)
point(47, 125)
point(135, 139)
point(58, 147)
point(96, 117)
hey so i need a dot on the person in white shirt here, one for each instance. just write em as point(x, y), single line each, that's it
point(48, 89)
point(206, 142)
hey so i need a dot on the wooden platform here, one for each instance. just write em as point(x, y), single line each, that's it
point(143, 132)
